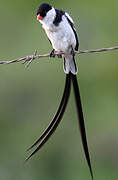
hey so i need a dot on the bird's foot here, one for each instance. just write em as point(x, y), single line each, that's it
point(59, 56)
point(52, 53)
point(72, 52)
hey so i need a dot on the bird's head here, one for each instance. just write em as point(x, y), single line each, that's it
point(43, 11)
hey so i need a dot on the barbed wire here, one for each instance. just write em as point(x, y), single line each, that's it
point(28, 59)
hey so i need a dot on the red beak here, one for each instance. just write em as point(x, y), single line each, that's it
point(39, 17)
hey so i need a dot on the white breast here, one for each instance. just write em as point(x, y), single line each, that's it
point(62, 36)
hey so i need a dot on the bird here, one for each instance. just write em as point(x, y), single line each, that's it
point(61, 32)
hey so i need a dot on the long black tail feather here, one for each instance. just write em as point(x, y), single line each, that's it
point(57, 118)
point(81, 121)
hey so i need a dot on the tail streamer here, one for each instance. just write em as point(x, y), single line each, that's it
point(56, 120)
point(81, 120)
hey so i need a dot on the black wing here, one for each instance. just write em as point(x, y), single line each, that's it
point(74, 30)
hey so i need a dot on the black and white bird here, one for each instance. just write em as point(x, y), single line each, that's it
point(61, 33)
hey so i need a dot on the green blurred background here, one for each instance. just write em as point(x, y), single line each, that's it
point(30, 97)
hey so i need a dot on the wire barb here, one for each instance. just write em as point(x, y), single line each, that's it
point(29, 59)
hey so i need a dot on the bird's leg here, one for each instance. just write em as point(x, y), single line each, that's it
point(52, 53)
point(59, 56)
point(72, 52)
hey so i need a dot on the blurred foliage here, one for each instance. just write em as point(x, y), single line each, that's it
point(29, 97)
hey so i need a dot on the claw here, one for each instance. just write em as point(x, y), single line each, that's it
point(52, 53)
point(59, 56)
point(72, 52)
